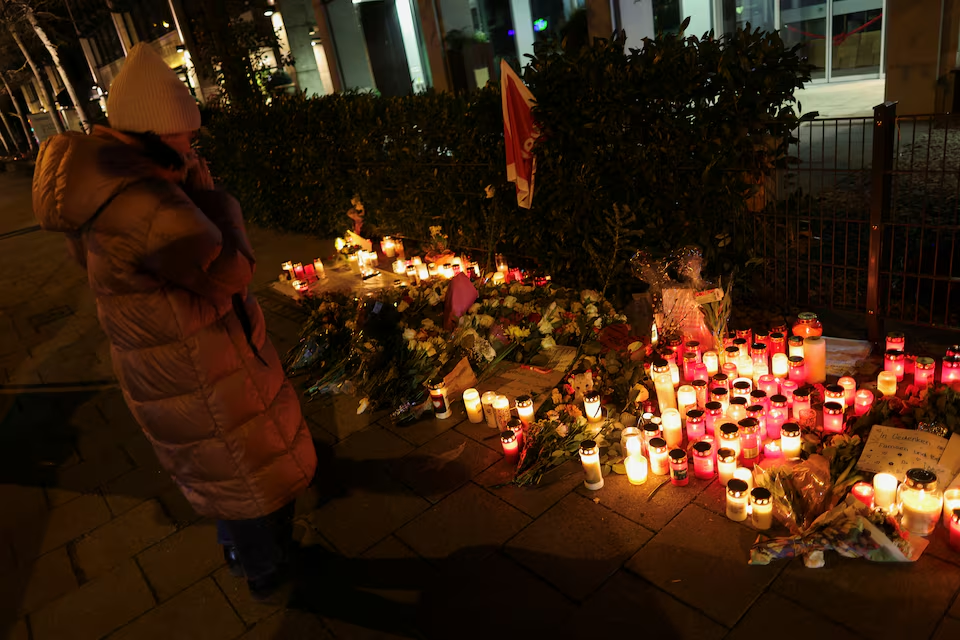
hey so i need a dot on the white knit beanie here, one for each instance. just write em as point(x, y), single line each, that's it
point(148, 96)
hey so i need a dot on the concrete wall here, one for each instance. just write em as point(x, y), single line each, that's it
point(917, 73)
point(298, 19)
point(636, 18)
point(350, 46)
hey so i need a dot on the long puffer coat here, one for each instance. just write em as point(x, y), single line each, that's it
point(189, 346)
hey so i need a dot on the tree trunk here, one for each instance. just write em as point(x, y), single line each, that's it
point(55, 56)
point(41, 87)
point(3, 138)
point(31, 142)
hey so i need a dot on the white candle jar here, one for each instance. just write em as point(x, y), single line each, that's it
point(762, 512)
point(737, 496)
point(659, 460)
point(726, 465)
point(921, 502)
point(590, 459)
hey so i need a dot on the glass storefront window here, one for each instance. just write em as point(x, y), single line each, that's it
point(856, 40)
point(842, 37)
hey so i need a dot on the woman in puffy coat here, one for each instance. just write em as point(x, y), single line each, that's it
point(169, 262)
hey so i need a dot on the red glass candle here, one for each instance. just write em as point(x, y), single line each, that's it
point(923, 371)
point(862, 402)
point(713, 411)
point(787, 387)
point(863, 491)
point(778, 328)
point(807, 325)
point(950, 370)
point(798, 370)
point(704, 467)
point(510, 444)
point(749, 441)
point(909, 362)
point(758, 352)
point(758, 396)
point(679, 468)
point(769, 385)
point(758, 413)
point(835, 393)
point(745, 334)
point(849, 390)
point(729, 369)
point(832, 417)
point(689, 361)
point(772, 450)
point(777, 343)
point(696, 425)
point(676, 346)
point(692, 346)
point(741, 388)
point(762, 337)
point(893, 361)
point(955, 530)
point(953, 350)
point(896, 341)
point(700, 372)
point(720, 380)
point(700, 387)
point(801, 401)
point(775, 419)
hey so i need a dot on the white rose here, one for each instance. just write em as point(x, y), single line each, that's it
point(544, 326)
point(598, 323)
point(548, 343)
point(591, 311)
point(509, 301)
point(562, 429)
point(489, 353)
point(589, 296)
point(433, 299)
point(412, 345)
point(409, 334)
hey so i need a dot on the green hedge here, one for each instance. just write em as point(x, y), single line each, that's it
point(654, 148)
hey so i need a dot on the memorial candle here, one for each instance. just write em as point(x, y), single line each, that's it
point(775, 419)
point(628, 435)
point(921, 502)
point(590, 459)
point(737, 492)
point(722, 396)
point(743, 349)
point(635, 463)
point(758, 353)
point(953, 350)
point(679, 468)
point(762, 513)
point(772, 451)
point(798, 370)
point(744, 334)
point(651, 430)
point(780, 365)
point(745, 474)
point(729, 369)
point(737, 410)
point(835, 393)
point(885, 492)
point(686, 399)
point(769, 385)
point(951, 502)
point(731, 355)
point(795, 346)
point(592, 408)
point(700, 388)
point(700, 372)
point(896, 341)
point(511, 447)
point(712, 362)
point(387, 247)
point(689, 362)
point(758, 396)
point(749, 441)
point(517, 427)
point(950, 369)
point(501, 409)
point(832, 417)
point(659, 462)
point(696, 425)
point(778, 343)
point(893, 362)
point(726, 465)
point(745, 367)
point(525, 410)
point(887, 383)
point(318, 268)
point(815, 357)
point(955, 530)
point(787, 387)
point(486, 401)
point(801, 401)
point(713, 412)
point(758, 413)
point(720, 381)
point(862, 402)
point(471, 401)
point(863, 491)
point(742, 388)
point(790, 440)
point(923, 371)
point(666, 395)
point(730, 437)
point(703, 463)
point(672, 428)
point(849, 390)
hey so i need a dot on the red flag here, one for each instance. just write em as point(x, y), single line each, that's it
point(519, 133)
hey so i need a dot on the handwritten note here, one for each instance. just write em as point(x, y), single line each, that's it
point(893, 450)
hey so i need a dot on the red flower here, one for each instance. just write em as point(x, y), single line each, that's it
point(534, 318)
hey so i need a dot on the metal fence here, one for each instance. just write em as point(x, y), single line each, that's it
point(866, 219)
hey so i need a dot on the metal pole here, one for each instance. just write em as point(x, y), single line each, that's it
point(884, 130)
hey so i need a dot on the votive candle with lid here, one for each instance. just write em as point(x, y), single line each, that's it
point(750, 440)
point(893, 361)
point(471, 402)
point(730, 437)
point(745, 334)
point(722, 396)
point(679, 468)
point(896, 341)
point(862, 402)
point(696, 425)
point(712, 362)
point(835, 393)
point(666, 395)
point(737, 496)
point(590, 459)
point(923, 371)
point(743, 348)
point(525, 410)
point(592, 408)
point(787, 387)
point(887, 383)
point(511, 445)
point(726, 465)
point(778, 343)
point(769, 385)
point(720, 381)
point(651, 430)
point(703, 460)
point(795, 346)
point(759, 355)
point(700, 373)
point(780, 365)
point(950, 369)
point(801, 401)
point(713, 412)
point(686, 399)
point(700, 388)
point(742, 387)
point(798, 369)
point(745, 474)
point(729, 369)
point(776, 416)
point(790, 442)
point(731, 355)
point(758, 413)
point(659, 461)
point(672, 428)
point(737, 410)
point(762, 512)
point(759, 396)
point(832, 417)
point(689, 362)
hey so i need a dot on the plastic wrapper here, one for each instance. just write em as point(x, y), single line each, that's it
point(673, 282)
point(800, 491)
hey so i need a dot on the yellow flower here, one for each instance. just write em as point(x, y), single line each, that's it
point(517, 333)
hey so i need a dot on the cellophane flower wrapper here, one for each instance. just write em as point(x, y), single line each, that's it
point(800, 491)
point(675, 308)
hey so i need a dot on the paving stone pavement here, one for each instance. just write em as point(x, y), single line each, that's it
point(408, 532)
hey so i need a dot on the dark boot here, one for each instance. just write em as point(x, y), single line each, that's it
point(233, 561)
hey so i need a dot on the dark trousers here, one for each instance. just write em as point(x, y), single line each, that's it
point(263, 543)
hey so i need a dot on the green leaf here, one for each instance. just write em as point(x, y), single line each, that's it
point(620, 469)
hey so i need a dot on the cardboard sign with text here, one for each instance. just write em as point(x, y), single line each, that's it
point(894, 450)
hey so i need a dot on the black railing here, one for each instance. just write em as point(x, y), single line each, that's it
point(867, 219)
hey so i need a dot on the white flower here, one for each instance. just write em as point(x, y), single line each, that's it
point(363, 405)
point(489, 353)
point(509, 301)
point(548, 343)
point(576, 307)
point(486, 321)
point(592, 311)
point(409, 334)
point(433, 299)
point(544, 326)
point(589, 296)
point(426, 323)
point(494, 303)
point(562, 429)
point(412, 345)
point(598, 323)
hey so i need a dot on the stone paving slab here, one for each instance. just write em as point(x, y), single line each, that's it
point(444, 464)
point(701, 558)
point(181, 559)
point(249, 610)
point(628, 602)
point(787, 621)
point(49, 577)
point(879, 600)
point(652, 504)
point(532, 500)
point(289, 625)
point(468, 521)
point(577, 545)
point(428, 428)
point(61, 525)
point(948, 630)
